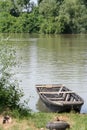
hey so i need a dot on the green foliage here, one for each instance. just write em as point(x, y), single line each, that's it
point(39, 1)
point(76, 121)
point(10, 93)
point(25, 4)
point(48, 26)
point(85, 2)
point(50, 16)
point(14, 12)
point(9, 6)
point(71, 18)
point(6, 22)
point(75, 14)
point(48, 8)
point(41, 119)
point(5, 5)
point(59, 1)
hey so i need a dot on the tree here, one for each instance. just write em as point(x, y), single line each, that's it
point(48, 8)
point(39, 1)
point(10, 7)
point(5, 5)
point(59, 1)
point(85, 2)
point(76, 18)
point(14, 9)
point(24, 4)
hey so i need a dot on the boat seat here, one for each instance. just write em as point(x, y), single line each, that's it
point(57, 99)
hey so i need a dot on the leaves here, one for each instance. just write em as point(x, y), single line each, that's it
point(10, 93)
point(48, 8)
point(50, 16)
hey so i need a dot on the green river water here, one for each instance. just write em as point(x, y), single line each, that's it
point(50, 59)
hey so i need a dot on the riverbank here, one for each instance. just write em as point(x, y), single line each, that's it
point(38, 121)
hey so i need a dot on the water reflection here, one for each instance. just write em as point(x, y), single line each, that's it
point(51, 59)
point(40, 105)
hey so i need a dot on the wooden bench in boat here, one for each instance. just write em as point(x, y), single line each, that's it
point(67, 102)
point(56, 98)
point(56, 92)
point(49, 85)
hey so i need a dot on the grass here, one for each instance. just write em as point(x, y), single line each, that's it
point(38, 121)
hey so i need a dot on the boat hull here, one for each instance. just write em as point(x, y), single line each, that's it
point(59, 108)
point(58, 98)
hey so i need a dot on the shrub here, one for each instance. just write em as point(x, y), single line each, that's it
point(10, 93)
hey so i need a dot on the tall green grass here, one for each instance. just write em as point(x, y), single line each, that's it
point(39, 120)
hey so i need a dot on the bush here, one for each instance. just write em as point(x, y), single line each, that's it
point(10, 93)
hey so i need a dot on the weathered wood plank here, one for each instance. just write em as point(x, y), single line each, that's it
point(72, 102)
point(68, 102)
point(49, 85)
point(56, 98)
point(67, 97)
point(57, 92)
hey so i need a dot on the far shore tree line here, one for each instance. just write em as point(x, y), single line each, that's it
point(48, 16)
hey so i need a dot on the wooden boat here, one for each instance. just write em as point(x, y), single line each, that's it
point(59, 98)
